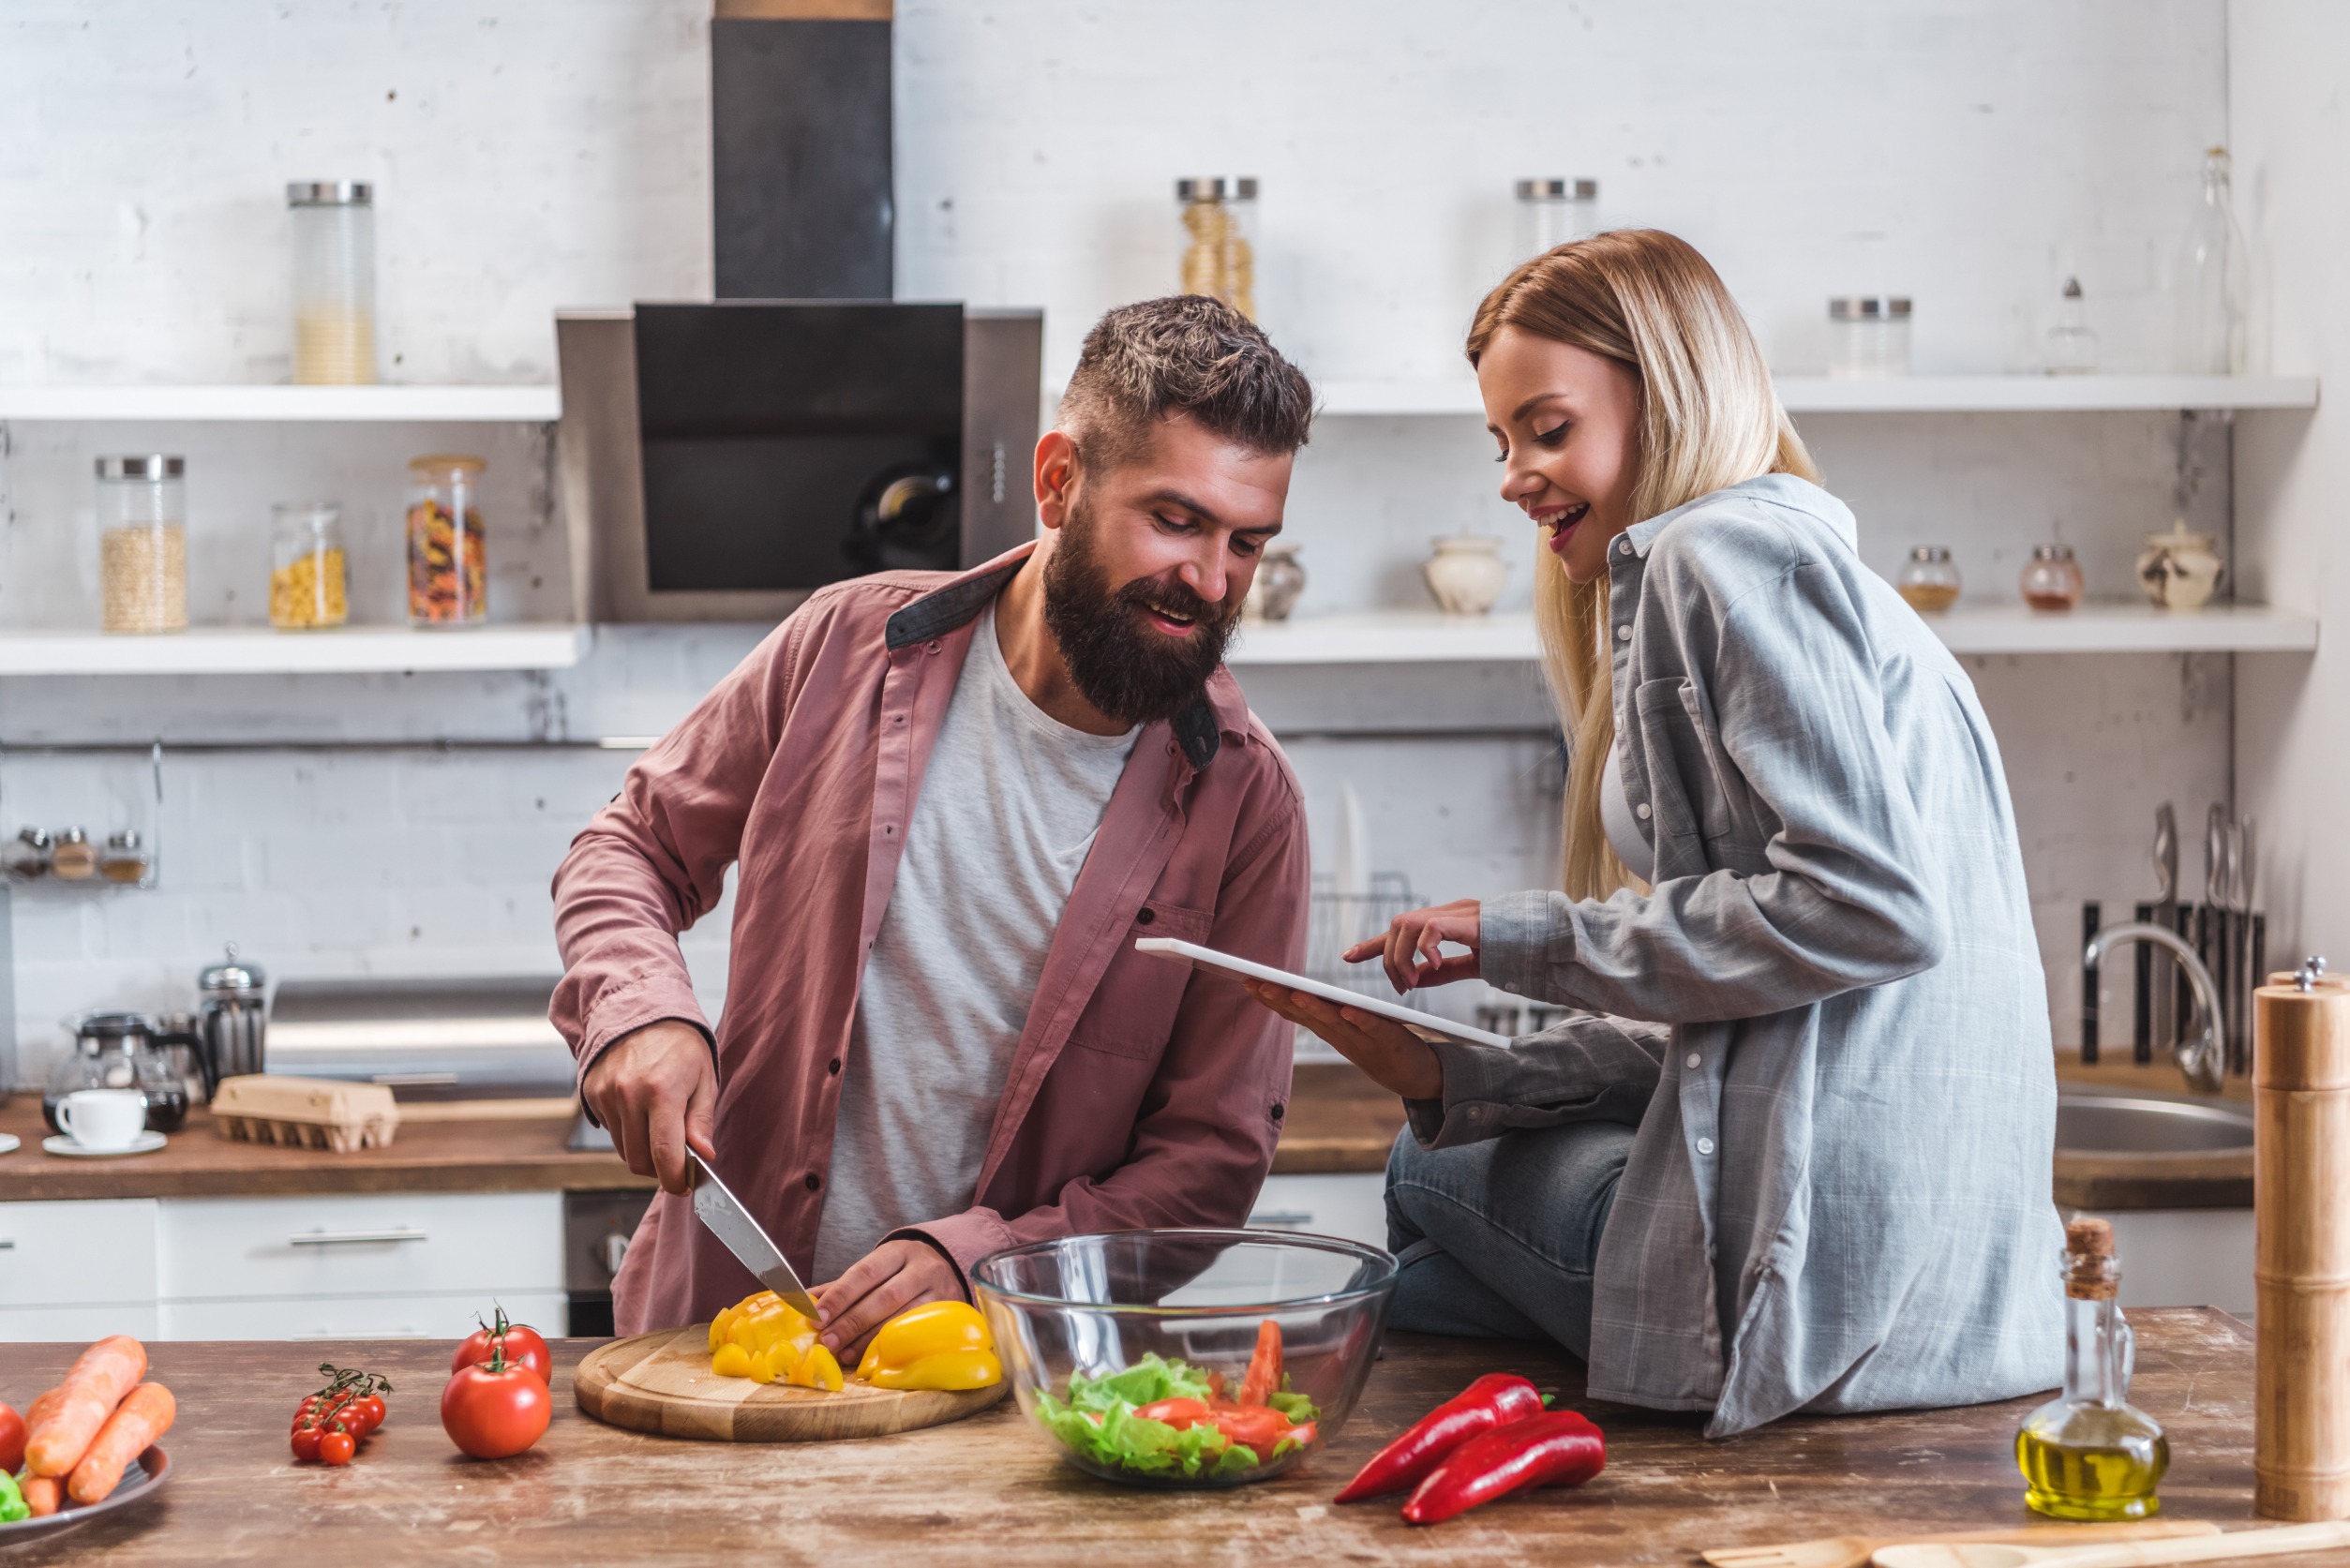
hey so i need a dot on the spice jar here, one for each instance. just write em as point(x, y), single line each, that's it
point(1929, 579)
point(26, 856)
point(306, 586)
point(143, 543)
point(75, 858)
point(1868, 335)
point(2052, 581)
point(448, 563)
point(125, 858)
point(334, 282)
point(1218, 229)
point(2180, 569)
point(1553, 212)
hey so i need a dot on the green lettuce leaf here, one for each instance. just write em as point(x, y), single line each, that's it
point(1098, 1421)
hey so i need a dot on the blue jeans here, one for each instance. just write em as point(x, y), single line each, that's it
point(1498, 1239)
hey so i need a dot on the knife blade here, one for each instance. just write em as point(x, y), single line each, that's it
point(719, 1209)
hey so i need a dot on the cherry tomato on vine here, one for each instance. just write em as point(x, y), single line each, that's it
point(337, 1447)
point(306, 1442)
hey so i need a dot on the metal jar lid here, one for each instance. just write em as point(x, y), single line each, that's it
point(2051, 552)
point(1217, 189)
point(329, 193)
point(231, 976)
point(1558, 190)
point(143, 466)
point(1869, 307)
point(1929, 552)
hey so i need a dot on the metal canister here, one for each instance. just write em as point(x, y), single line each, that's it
point(231, 1018)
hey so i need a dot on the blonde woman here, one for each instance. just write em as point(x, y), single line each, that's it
point(1793, 1154)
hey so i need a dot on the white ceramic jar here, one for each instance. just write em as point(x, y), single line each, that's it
point(2180, 569)
point(1280, 578)
point(1466, 573)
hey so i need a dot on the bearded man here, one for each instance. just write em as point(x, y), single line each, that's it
point(954, 801)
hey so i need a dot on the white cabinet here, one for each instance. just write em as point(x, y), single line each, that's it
point(75, 1254)
point(1352, 1207)
point(369, 1245)
point(418, 1317)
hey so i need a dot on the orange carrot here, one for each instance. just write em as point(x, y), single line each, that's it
point(43, 1494)
point(55, 1441)
point(144, 1416)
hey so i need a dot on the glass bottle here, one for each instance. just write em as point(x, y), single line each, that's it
point(1218, 240)
point(2215, 281)
point(1868, 336)
point(75, 858)
point(334, 282)
point(2072, 345)
point(448, 561)
point(1929, 579)
point(2089, 1453)
point(2052, 579)
point(142, 543)
point(27, 855)
point(1551, 213)
point(307, 588)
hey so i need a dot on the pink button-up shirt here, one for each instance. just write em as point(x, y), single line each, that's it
point(1140, 1094)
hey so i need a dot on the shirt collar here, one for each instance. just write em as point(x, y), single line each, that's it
point(1785, 489)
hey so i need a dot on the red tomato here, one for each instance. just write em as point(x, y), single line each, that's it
point(11, 1441)
point(372, 1408)
point(305, 1441)
point(335, 1448)
point(521, 1345)
point(1265, 1367)
point(493, 1414)
point(1256, 1427)
point(1179, 1413)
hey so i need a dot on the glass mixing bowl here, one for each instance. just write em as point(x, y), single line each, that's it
point(1095, 1329)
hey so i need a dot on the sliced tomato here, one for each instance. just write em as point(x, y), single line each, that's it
point(1179, 1413)
point(1264, 1367)
point(1257, 1426)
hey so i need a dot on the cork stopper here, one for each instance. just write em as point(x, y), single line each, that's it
point(2090, 1271)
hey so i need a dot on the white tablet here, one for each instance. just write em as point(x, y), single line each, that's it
point(1427, 1026)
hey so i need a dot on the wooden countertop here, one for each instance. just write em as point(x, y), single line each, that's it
point(1339, 1121)
point(988, 1491)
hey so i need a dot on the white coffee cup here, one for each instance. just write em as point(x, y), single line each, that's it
point(104, 1121)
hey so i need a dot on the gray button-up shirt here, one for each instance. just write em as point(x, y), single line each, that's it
point(1838, 1198)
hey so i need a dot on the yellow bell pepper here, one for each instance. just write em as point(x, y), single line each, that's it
point(730, 1360)
point(761, 1338)
point(939, 1344)
point(817, 1369)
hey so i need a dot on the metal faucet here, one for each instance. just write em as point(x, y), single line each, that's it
point(2203, 1058)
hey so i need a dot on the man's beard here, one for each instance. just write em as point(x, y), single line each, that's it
point(1121, 665)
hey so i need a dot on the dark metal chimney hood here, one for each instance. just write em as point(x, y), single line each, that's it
point(800, 149)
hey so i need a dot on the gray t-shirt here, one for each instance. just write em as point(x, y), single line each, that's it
point(1009, 807)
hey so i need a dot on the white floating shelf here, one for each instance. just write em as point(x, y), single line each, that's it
point(1418, 637)
point(1900, 394)
point(259, 651)
point(514, 405)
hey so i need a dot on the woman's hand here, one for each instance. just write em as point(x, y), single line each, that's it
point(1416, 935)
point(1398, 1060)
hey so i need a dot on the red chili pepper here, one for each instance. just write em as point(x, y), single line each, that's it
point(1493, 1400)
point(1557, 1448)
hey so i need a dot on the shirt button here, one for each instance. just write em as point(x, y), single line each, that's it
point(887, 831)
point(1624, 547)
point(1705, 1146)
point(1278, 1111)
point(1145, 917)
point(815, 1181)
point(1641, 810)
point(1623, 633)
point(834, 1065)
point(1692, 1061)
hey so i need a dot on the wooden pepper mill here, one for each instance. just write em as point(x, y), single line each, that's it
point(2302, 1251)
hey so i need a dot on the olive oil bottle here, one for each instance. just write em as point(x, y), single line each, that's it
point(2091, 1454)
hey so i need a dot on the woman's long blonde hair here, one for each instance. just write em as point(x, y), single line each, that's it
point(1709, 419)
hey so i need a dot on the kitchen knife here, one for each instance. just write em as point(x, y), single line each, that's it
point(731, 1224)
point(2163, 983)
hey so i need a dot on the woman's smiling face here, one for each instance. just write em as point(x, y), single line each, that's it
point(1567, 421)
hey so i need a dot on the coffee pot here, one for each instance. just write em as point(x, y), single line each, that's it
point(230, 1019)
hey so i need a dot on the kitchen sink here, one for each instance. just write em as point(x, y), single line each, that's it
point(2146, 1125)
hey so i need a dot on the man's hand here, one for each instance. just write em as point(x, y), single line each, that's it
point(654, 1090)
point(877, 1287)
point(1396, 1059)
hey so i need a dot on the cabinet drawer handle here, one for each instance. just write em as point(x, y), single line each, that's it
point(346, 1238)
point(7, 1244)
point(1279, 1219)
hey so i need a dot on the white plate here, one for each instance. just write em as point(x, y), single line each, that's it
point(9, 1143)
point(1427, 1026)
point(146, 1144)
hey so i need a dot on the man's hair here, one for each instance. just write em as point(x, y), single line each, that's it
point(1185, 355)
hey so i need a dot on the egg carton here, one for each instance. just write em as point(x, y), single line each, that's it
point(304, 1112)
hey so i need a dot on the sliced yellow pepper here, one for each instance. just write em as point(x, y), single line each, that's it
point(939, 1344)
point(817, 1369)
point(767, 1339)
point(730, 1360)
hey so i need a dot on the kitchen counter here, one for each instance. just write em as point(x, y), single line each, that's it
point(987, 1491)
point(1339, 1121)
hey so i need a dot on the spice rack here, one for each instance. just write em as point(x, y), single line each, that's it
point(41, 858)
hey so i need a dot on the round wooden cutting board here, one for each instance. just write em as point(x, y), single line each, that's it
point(661, 1382)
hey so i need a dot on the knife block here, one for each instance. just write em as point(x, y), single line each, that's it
point(2301, 1250)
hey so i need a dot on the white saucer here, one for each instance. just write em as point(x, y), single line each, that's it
point(146, 1144)
point(9, 1143)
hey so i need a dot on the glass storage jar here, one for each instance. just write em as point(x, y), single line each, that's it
point(142, 543)
point(74, 858)
point(1929, 579)
point(448, 562)
point(2052, 579)
point(1553, 212)
point(126, 859)
point(27, 855)
point(1868, 335)
point(307, 584)
point(334, 282)
point(1220, 220)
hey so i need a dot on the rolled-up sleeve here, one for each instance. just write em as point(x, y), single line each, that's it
point(1586, 1068)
